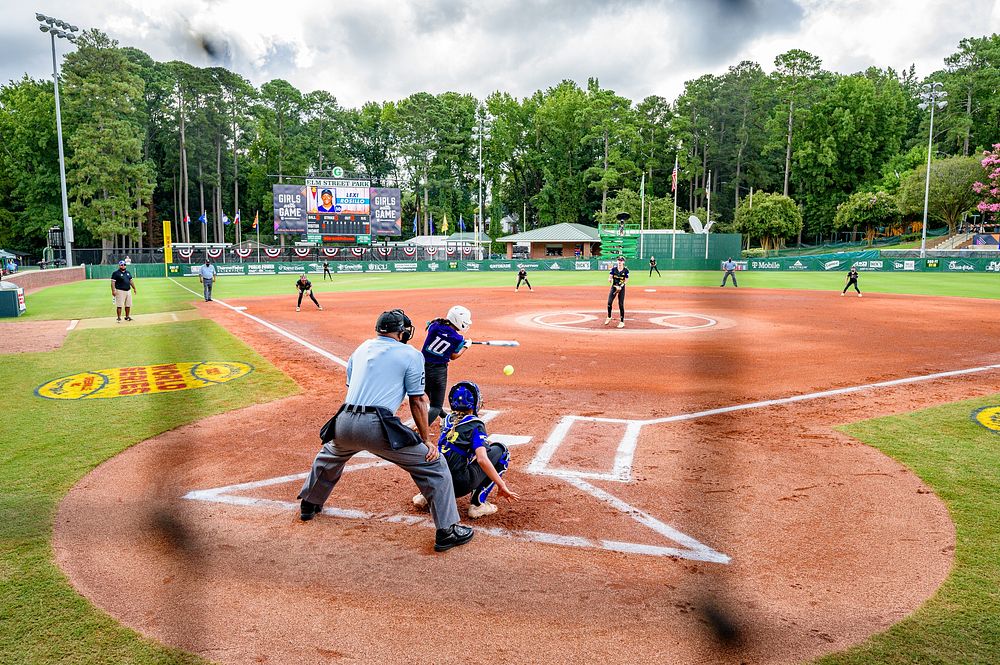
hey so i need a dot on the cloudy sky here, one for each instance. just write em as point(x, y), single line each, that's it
point(387, 49)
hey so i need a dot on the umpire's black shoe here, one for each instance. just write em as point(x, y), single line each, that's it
point(453, 536)
point(309, 510)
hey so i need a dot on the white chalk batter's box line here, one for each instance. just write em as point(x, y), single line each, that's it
point(541, 464)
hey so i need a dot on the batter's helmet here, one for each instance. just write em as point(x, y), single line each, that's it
point(465, 396)
point(460, 317)
point(395, 321)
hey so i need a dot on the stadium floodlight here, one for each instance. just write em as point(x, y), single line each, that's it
point(66, 32)
point(932, 96)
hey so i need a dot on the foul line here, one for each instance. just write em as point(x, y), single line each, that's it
point(281, 331)
point(817, 395)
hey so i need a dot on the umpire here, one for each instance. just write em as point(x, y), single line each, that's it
point(379, 373)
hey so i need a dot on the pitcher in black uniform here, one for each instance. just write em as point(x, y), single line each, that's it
point(618, 278)
point(852, 280)
point(652, 267)
point(477, 466)
point(303, 285)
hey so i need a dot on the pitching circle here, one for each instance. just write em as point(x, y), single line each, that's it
point(647, 321)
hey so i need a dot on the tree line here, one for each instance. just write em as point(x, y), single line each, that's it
point(149, 141)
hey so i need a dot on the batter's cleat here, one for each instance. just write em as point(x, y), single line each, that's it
point(297, 308)
point(481, 510)
point(453, 536)
point(607, 320)
point(420, 501)
point(621, 324)
point(308, 510)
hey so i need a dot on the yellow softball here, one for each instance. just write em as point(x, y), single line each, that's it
point(508, 370)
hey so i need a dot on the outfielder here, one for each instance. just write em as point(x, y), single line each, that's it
point(444, 343)
point(476, 465)
point(303, 284)
point(618, 277)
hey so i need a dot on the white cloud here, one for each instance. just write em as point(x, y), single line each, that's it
point(387, 50)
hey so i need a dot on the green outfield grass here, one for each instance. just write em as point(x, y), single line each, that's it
point(92, 298)
point(48, 445)
point(959, 460)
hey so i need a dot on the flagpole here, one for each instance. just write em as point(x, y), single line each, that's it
point(708, 212)
point(642, 211)
point(256, 220)
point(673, 237)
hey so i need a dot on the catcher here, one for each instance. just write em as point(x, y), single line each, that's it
point(476, 465)
point(444, 343)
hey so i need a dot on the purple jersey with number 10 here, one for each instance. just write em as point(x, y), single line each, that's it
point(442, 341)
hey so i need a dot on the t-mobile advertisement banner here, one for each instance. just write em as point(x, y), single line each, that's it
point(386, 212)
point(289, 208)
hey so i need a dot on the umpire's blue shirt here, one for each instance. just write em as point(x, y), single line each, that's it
point(382, 371)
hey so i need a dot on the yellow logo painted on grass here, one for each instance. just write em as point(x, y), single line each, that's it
point(142, 380)
point(988, 417)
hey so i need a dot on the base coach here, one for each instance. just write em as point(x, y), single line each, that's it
point(379, 373)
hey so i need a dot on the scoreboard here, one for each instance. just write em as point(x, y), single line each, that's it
point(337, 210)
point(336, 207)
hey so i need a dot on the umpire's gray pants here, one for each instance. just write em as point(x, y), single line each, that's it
point(363, 431)
point(207, 284)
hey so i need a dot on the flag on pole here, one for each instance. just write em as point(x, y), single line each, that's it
point(708, 187)
point(673, 186)
point(444, 224)
point(187, 219)
point(461, 223)
point(225, 219)
point(255, 220)
point(414, 224)
point(642, 186)
point(432, 223)
point(203, 219)
point(237, 220)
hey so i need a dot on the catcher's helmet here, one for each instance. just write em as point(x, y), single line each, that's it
point(460, 317)
point(465, 396)
point(394, 321)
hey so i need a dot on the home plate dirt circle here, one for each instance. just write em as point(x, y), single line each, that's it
point(644, 320)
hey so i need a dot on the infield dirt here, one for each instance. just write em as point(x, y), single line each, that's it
point(829, 541)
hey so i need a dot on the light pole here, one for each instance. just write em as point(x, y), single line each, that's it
point(62, 30)
point(931, 95)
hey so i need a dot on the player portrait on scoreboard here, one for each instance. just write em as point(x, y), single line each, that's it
point(326, 202)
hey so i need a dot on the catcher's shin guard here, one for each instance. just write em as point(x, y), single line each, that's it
point(482, 493)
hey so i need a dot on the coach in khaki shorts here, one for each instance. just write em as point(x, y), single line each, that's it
point(122, 286)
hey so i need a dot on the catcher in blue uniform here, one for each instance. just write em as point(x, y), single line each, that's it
point(477, 466)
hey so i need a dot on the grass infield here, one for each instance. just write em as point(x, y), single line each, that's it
point(92, 298)
point(47, 446)
point(958, 459)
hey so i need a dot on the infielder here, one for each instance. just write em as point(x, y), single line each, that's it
point(618, 277)
point(303, 284)
point(326, 271)
point(476, 465)
point(652, 267)
point(522, 276)
point(444, 343)
point(852, 280)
